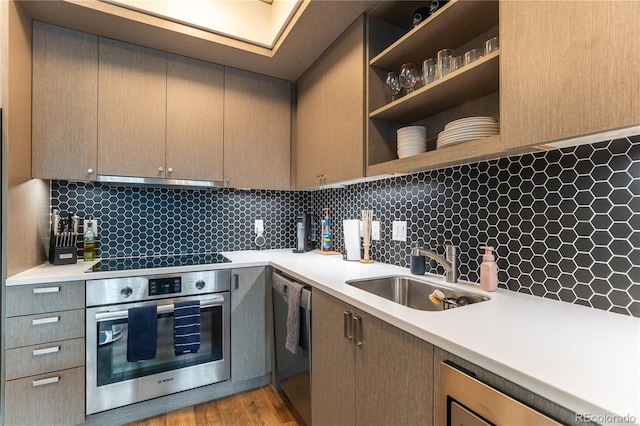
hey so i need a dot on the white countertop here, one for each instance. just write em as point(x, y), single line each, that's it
point(584, 359)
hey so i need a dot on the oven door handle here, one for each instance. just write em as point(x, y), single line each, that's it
point(162, 309)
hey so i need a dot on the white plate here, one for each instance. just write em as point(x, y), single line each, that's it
point(441, 144)
point(472, 135)
point(478, 119)
point(470, 129)
point(473, 126)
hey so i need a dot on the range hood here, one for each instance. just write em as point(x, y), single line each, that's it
point(159, 182)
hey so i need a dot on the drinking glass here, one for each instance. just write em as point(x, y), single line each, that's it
point(445, 62)
point(491, 45)
point(392, 85)
point(408, 76)
point(472, 56)
point(429, 70)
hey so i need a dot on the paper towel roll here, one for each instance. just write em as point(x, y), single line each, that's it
point(352, 238)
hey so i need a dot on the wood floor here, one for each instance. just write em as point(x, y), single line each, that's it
point(262, 406)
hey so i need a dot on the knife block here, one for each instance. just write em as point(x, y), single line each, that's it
point(61, 255)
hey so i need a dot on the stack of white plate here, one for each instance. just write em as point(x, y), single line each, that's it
point(467, 129)
point(412, 140)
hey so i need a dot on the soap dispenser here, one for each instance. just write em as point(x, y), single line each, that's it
point(488, 270)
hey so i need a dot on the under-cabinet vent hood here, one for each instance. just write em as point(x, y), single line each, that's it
point(159, 182)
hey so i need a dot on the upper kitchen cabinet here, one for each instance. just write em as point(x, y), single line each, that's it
point(569, 68)
point(195, 99)
point(329, 139)
point(257, 131)
point(65, 102)
point(131, 110)
point(469, 90)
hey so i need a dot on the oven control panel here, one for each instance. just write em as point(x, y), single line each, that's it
point(170, 285)
point(152, 287)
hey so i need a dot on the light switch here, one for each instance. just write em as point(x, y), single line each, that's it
point(375, 230)
point(399, 230)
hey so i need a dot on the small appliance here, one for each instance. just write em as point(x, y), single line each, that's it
point(306, 232)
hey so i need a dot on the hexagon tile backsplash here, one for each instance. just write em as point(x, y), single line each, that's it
point(566, 223)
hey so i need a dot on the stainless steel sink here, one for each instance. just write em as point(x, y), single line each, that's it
point(415, 293)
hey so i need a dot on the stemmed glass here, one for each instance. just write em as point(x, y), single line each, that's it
point(392, 85)
point(408, 76)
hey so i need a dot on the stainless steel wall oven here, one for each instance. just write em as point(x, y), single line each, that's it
point(112, 381)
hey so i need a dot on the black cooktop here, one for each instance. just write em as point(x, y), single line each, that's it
point(150, 262)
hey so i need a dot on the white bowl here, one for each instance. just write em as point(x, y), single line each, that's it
point(412, 128)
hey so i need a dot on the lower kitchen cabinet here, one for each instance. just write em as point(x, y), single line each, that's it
point(47, 399)
point(365, 371)
point(249, 337)
point(45, 356)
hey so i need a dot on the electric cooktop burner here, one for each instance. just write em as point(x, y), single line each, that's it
point(108, 265)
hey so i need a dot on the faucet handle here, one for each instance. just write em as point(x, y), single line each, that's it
point(450, 251)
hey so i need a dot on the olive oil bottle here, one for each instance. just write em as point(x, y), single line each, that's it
point(89, 243)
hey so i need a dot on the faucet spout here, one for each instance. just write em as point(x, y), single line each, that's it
point(450, 263)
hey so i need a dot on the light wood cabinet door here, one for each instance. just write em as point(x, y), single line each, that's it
point(567, 68)
point(333, 388)
point(394, 376)
point(351, 383)
point(307, 147)
point(195, 104)
point(257, 131)
point(65, 103)
point(248, 324)
point(132, 104)
point(330, 113)
point(343, 104)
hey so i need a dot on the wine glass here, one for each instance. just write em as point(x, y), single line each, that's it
point(392, 85)
point(408, 76)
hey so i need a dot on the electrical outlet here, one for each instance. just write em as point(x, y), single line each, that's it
point(259, 227)
point(94, 226)
point(375, 230)
point(399, 230)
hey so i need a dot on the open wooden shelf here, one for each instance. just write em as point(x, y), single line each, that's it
point(439, 31)
point(471, 82)
point(479, 149)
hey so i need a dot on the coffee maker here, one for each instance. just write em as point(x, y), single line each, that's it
point(306, 232)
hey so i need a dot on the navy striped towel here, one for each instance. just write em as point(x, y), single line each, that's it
point(186, 327)
point(142, 333)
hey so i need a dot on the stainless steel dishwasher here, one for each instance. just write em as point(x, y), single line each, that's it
point(292, 371)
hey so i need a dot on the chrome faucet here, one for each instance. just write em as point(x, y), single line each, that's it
point(450, 264)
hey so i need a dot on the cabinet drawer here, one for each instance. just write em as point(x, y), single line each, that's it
point(36, 299)
point(44, 358)
point(42, 328)
point(54, 398)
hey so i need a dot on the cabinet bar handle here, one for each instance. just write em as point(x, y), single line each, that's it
point(48, 381)
point(357, 330)
point(44, 290)
point(236, 281)
point(47, 320)
point(348, 325)
point(51, 350)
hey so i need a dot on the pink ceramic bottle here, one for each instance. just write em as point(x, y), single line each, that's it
point(488, 270)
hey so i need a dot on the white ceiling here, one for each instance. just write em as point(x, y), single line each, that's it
point(253, 21)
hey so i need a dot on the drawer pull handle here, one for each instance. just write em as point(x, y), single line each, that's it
point(47, 320)
point(45, 290)
point(357, 330)
point(347, 325)
point(44, 351)
point(48, 381)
